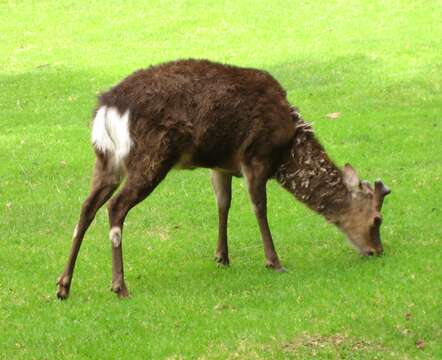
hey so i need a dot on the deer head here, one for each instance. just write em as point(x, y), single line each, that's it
point(362, 220)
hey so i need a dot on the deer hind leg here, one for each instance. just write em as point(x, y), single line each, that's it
point(106, 180)
point(257, 175)
point(138, 186)
point(222, 186)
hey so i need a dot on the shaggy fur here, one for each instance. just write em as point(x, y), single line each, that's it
point(216, 115)
point(236, 121)
point(310, 175)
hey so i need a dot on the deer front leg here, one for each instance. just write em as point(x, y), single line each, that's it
point(222, 186)
point(257, 176)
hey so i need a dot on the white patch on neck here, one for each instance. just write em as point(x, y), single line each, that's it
point(110, 133)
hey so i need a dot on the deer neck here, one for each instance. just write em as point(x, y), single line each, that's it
point(309, 174)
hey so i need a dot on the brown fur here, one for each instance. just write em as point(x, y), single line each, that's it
point(311, 176)
point(216, 115)
point(236, 121)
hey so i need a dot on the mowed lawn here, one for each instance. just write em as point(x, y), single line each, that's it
point(379, 64)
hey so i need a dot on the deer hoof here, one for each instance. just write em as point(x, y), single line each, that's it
point(222, 261)
point(276, 267)
point(120, 290)
point(63, 288)
point(62, 293)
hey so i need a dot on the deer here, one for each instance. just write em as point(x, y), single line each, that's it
point(235, 121)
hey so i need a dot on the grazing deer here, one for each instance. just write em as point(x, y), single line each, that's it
point(235, 121)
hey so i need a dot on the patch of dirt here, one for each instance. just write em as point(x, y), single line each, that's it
point(420, 344)
point(160, 232)
point(338, 344)
point(333, 115)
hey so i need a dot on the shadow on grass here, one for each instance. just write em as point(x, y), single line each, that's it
point(50, 96)
point(56, 95)
point(301, 74)
point(359, 82)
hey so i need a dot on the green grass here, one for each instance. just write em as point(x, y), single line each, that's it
point(378, 63)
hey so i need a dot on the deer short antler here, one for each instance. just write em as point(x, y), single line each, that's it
point(380, 191)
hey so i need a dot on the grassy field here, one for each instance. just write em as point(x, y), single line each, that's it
point(377, 63)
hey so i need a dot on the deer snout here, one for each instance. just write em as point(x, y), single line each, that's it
point(379, 251)
point(374, 251)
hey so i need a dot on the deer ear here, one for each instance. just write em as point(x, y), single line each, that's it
point(351, 178)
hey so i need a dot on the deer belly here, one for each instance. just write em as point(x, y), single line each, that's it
point(228, 164)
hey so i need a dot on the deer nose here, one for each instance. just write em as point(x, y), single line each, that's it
point(379, 251)
point(374, 251)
